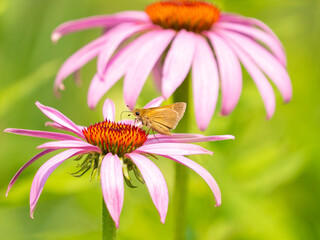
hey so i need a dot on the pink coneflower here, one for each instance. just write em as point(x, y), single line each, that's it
point(171, 37)
point(112, 150)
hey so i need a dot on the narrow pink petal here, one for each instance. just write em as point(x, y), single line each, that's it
point(61, 119)
point(175, 136)
point(127, 121)
point(269, 40)
point(157, 74)
point(32, 160)
point(105, 21)
point(169, 139)
point(41, 134)
point(230, 73)
point(178, 62)
point(70, 144)
point(114, 38)
point(156, 102)
point(115, 69)
point(112, 185)
point(266, 61)
point(155, 182)
point(234, 18)
point(205, 82)
point(97, 89)
point(108, 110)
point(44, 172)
point(78, 59)
point(259, 78)
point(203, 173)
point(172, 149)
point(148, 51)
point(58, 126)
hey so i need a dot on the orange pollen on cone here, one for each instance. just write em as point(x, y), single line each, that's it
point(195, 16)
point(117, 138)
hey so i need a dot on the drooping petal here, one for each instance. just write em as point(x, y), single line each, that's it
point(157, 74)
point(112, 185)
point(114, 38)
point(70, 144)
point(169, 139)
point(178, 62)
point(108, 110)
point(259, 78)
point(156, 102)
point(41, 134)
point(230, 73)
point(143, 62)
point(205, 82)
point(265, 60)
point(97, 89)
point(268, 39)
point(78, 59)
point(98, 21)
point(61, 119)
point(155, 182)
point(32, 160)
point(202, 172)
point(172, 149)
point(44, 172)
point(116, 68)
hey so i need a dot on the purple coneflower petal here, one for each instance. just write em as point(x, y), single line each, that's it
point(32, 160)
point(259, 78)
point(58, 126)
point(143, 62)
point(114, 38)
point(70, 144)
point(41, 134)
point(266, 61)
point(78, 59)
point(268, 39)
point(127, 121)
point(205, 83)
point(230, 73)
point(61, 119)
point(175, 136)
point(108, 110)
point(178, 62)
point(117, 67)
point(98, 21)
point(202, 172)
point(44, 172)
point(155, 182)
point(169, 139)
point(172, 149)
point(112, 185)
point(157, 74)
point(228, 17)
point(156, 102)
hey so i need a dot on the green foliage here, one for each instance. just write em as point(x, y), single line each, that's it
point(269, 176)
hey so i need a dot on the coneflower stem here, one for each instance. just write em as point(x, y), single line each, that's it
point(181, 174)
point(109, 230)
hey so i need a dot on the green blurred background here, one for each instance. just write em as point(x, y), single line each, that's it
point(269, 176)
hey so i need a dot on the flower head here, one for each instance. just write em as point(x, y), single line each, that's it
point(112, 150)
point(171, 37)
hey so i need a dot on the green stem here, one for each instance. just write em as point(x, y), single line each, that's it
point(109, 230)
point(181, 174)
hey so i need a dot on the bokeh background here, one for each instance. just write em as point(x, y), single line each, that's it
point(269, 176)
